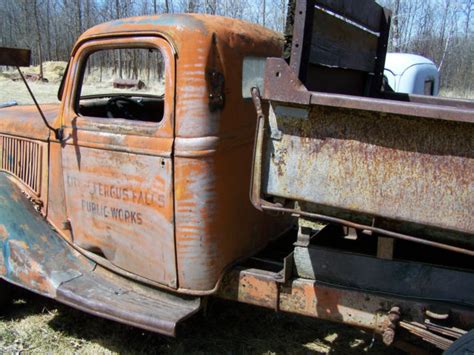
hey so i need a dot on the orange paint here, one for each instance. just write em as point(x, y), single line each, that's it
point(206, 220)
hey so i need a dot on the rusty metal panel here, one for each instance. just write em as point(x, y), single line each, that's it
point(25, 121)
point(106, 295)
point(205, 246)
point(338, 305)
point(23, 159)
point(281, 84)
point(396, 167)
point(56, 209)
point(35, 257)
point(118, 178)
point(30, 251)
point(215, 221)
point(15, 57)
point(252, 287)
point(330, 302)
point(120, 205)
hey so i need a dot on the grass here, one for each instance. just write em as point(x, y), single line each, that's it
point(469, 95)
point(16, 90)
point(34, 324)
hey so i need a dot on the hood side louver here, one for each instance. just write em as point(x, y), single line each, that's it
point(22, 158)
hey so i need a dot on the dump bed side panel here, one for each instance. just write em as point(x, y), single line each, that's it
point(370, 166)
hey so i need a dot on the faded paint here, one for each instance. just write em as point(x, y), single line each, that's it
point(36, 257)
point(200, 161)
point(30, 249)
point(408, 169)
point(214, 223)
point(25, 121)
point(209, 152)
point(311, 298)
point(121, 206)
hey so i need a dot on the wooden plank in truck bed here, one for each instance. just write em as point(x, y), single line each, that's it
point(366, 13)
point(340, 44)
point(348, 38)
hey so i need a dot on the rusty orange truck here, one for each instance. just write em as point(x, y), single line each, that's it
point(267, 170)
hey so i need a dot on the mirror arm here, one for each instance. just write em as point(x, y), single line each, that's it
point(58, 132)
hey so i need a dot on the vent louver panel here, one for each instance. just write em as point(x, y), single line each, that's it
point(22, 158)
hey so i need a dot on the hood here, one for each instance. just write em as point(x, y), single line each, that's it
point(25, 121)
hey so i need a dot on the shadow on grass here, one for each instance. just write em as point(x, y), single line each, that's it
point(23, 305)
point(227, 328)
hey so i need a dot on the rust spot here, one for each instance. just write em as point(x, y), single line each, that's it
point(3, 232)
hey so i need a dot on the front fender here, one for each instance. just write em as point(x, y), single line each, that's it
point(30, 250)
point(35, 257)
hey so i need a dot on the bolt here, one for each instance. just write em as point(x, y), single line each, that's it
point(388, 336)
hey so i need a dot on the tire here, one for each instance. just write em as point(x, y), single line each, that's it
point(463, 346)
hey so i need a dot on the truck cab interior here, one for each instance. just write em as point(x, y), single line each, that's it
point(131, 89)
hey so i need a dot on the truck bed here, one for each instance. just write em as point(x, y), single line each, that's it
point(401, 166)
point(336, 144)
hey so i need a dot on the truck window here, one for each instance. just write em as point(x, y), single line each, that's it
point(125, 83)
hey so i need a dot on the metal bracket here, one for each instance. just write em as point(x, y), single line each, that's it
point(307, 229)
point(275, 133)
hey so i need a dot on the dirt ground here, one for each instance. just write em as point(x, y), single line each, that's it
point(33, 324)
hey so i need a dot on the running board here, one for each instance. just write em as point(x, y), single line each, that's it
point(35, 257)
point(110, 296)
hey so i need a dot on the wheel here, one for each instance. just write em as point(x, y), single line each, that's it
point(463, 346)
point(6, 293)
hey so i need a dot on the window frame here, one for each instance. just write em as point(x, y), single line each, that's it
point(163, 128)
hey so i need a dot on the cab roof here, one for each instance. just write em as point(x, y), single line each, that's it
point(177, 28)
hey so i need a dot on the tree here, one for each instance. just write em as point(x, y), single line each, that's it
point(38, 36)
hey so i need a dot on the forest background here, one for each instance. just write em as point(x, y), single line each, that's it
point(441, 30)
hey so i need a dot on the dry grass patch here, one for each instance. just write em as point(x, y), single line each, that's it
point(45, 93)
point(37, 325)
point(457, 94)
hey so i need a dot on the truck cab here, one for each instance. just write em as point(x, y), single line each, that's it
point(156, 180)
point(150, 183)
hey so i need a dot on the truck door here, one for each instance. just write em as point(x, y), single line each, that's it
point(117, 156)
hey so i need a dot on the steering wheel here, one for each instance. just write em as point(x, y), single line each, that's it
point(123, 107)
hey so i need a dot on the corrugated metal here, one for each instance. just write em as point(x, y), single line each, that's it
point(22, 158)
